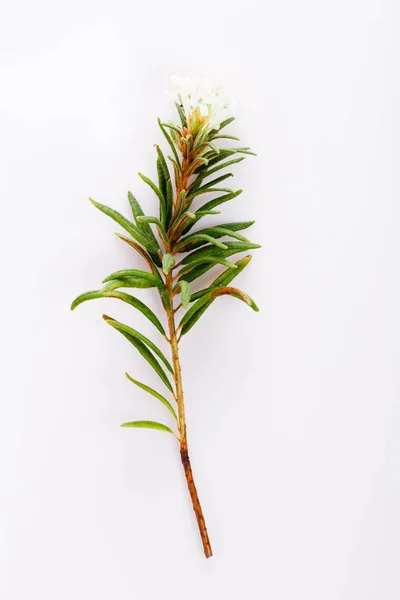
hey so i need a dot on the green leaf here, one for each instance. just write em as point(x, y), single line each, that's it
point(213, 147)
point(215, 232)
point(207, 187)
point(226, 137)
point(195, 317)
point(203, 264)
point(169, 202)
point(224, 279)
point(133, 273)
point(129, 282)
point(221, 231)
point(181, 114)
point(163, 163)
point(202, 238)
point(180, 204)
point(246, 151)
point(138, 212)
point(137, 278)
point(125, 328)
point(169, 140)
point(135, 302)
point(203, 213)
point(212, 160)
point(127, 225)
point(207, 173)
point(209, 206)
point(148, 356)
point(185, 293)
point(148, 425)
point(185, 218)
point(200, 138)
point(186, 322)
point(152, 260)
point(232, 248)
point(225, 123)
point(224, 153)
point(215, 260)
point(158, 193)
point(211, 190)
point(168, 262)
point(162, 183)
point(157, 222)
point(173, 128)
point(150, 390)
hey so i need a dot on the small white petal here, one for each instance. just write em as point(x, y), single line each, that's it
point(213, 101)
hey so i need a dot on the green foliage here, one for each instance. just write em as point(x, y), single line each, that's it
point(128, 226)
point(132, 332)
point(189, 319)
point(185, 293)
point(183, 178)
point(148, 425)
point(225, 278)
point(135, 302)
point(150, 390)
point(168, 262)
point(142, 348)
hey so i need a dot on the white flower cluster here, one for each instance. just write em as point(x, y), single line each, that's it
point(210, 99)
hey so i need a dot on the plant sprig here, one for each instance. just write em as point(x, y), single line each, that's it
point(175, 256)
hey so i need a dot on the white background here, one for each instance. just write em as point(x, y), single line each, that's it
point(293, 416)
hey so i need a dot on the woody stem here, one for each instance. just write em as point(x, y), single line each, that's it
point(182, 422)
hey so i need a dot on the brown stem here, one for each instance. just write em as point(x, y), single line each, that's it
point(195, 498)
point(182, 423)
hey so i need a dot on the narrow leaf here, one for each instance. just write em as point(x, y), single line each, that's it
point(127, 225)
point(213, 147)
point(150, 390)
point(226, 137)
point(215, 232)
point(245, 151)
point(153, 260)
point(133, 273)
point(225, 123)
point(135, 302)
point(225, 278)
point(233, 248)
point(169, 202)
point(185, 218)
point(157, 222)
point(207, 299)
point(158, 193)
point(169, 140)
point(138, 212)
point(163, 163)
point(181, 114)
point(190, 273)
point(162, 182)
point(210, 205)
point(185, 293)
point(129, 282)
point(209, 186)
point(148, 356)
point(168, 262)
point(148, 425)
point(209, 172)
point(195, 317)
point(198, 237)
point(122, 327)
point(173, 128)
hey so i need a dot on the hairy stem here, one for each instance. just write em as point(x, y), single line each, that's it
point(182, 423)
